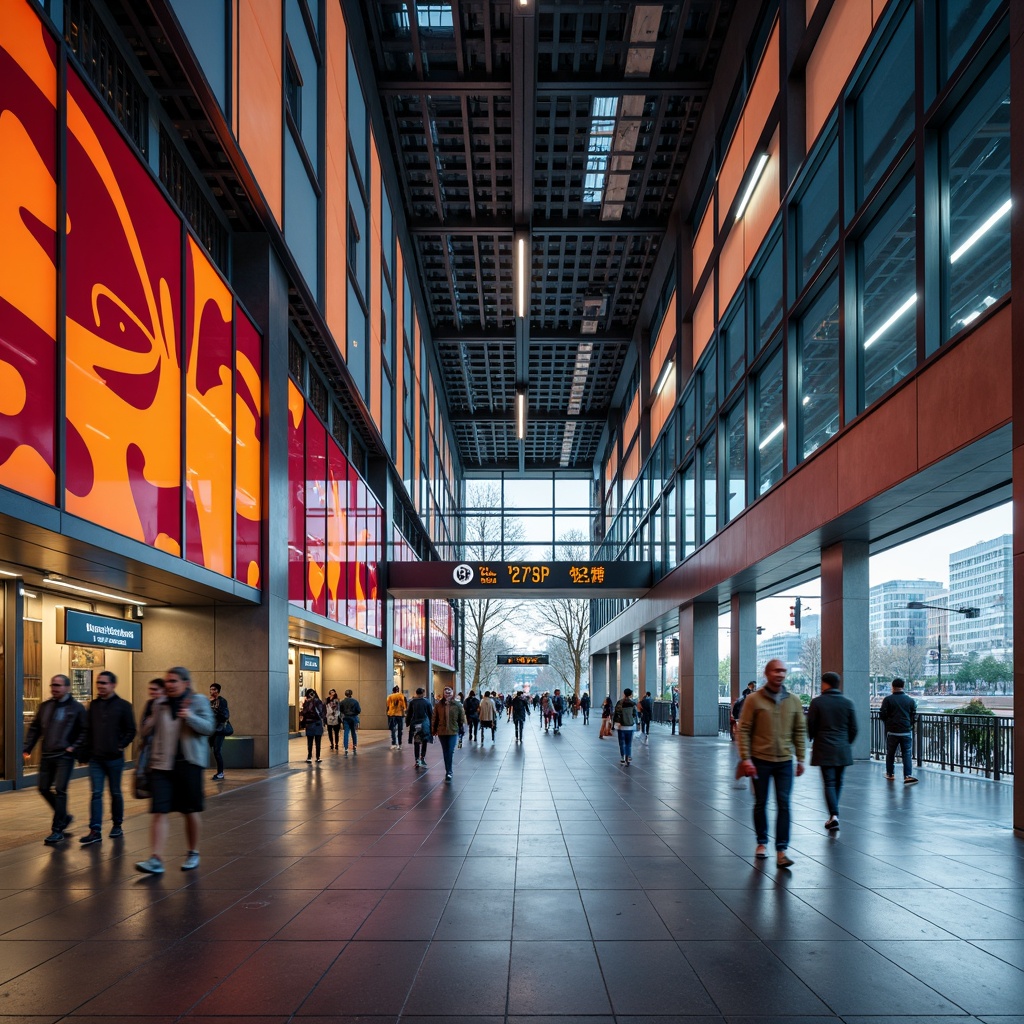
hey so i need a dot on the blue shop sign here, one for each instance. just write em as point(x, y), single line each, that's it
point(87, 629)
point(309, 662)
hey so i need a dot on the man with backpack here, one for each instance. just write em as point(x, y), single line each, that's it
point(624, 722)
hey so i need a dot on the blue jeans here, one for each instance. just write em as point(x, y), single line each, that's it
point(350, 727)
point(395, 723)
point(782, 773)
point(832, 780)
point(625, 742)
point(110, 771)
point(448, 751)
point(54, 775)
point(905, 745)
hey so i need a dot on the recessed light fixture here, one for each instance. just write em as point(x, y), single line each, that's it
point(762, 162)
point(51, 581)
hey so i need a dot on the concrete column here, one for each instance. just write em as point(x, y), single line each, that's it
point(598, 679)
point(698, 670)
point(627, 676)
point(743, 642)
point(613, 674)
point(648, 678)
point(845, 637)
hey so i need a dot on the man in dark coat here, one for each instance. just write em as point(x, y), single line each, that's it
point(832, 726)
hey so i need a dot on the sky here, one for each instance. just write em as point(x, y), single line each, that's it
point(926, 558)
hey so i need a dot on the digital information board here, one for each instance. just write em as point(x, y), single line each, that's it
point(523, 659)
point(518, 579)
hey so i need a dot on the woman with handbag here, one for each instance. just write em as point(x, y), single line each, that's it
point(333, 718)
point(606, 720)
point(311, 717)
point(223, 728)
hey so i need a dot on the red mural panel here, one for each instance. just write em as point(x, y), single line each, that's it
point(123, 315)
point(248, 453)
point(316, 514)
point(337, 531)
point(209, 397)
point(28, 248)
point(296, 496)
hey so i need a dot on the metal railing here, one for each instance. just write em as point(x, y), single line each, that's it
point(975, 744)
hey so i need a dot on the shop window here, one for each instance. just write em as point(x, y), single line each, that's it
point(817, 216)
point(884, 113)
point(767, 291)
point(888, 275)
point(818, 397)
point(978, 176)
point(736, 460)
point(770, 425)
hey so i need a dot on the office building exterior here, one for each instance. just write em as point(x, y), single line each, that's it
point(981, 576)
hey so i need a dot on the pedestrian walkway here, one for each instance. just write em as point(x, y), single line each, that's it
point(547, 884)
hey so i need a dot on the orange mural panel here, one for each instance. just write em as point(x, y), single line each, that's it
point(704, 319)
point(123, 286)
point(730, 265)
point(259, 96)
point(763, 93)
point(336, 178)
point(248, 450)
point(730, 176)
point(846, 30)
point(28, 253)
point(209, 400)
point(631, 424)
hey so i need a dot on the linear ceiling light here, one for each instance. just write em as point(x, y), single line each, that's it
point(521, 412)
point(663, 377)
point(521, 275)
point(769, 437)
point(50, 581)
point(759, 167)
point(984, 229)
point(908, 304)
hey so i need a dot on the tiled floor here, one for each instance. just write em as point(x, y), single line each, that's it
point(545, 885)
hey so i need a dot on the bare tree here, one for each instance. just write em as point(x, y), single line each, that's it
point(906, 661)
point(566, 622)
point(810, 661)
point(487, 621)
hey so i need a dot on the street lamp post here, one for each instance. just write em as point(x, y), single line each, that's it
point(966, 612)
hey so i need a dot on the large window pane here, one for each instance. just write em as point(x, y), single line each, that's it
point(768, 295)
point(689, 424)
point(818, 407)
point(979, 202)
point(671, 528)
point(689, 509)
point(962, 20)
point(817, 216)
point(888, 297)
point(708, 391)
point(709, 488)
point(734, 347)
point(736, 461)
point(885, 108)
point(770, 433)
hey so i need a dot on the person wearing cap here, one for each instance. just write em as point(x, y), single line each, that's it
point(449, 718)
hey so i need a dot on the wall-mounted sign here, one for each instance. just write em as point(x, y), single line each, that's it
point(87, 629)
point(309, 662)
point(521, 579)
point(523, 659)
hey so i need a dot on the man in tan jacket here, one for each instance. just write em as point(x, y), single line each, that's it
point(772, 732)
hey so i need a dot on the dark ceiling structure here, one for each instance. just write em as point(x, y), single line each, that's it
point(556, 129)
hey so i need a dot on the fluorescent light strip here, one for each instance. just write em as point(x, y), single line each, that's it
point(908, 304)
point(664, 376)
point(521, 278)
point(770, 437)
point(521, 415)
point(984, 229)
point(759, 167)
point(120, 598)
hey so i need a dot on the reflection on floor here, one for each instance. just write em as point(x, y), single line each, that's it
point(546, 884)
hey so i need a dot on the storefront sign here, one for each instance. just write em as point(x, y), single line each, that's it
point(309, 662)
point(522, 659)
point(87, 629)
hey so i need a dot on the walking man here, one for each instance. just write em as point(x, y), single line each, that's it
point(585, 706)
point(898, 714)
point(832, 726)
point(396, 716)
point(60, 724)
point(520, 709)
point(110, 728)
point(221, 717)
point(771, 733)
point(646, 709)
point(179, 724)
point(350, 712)
point(488, 713)
point(558, 707)
point(417, 717)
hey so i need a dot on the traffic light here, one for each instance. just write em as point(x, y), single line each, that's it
point(794, 615)
point(675, 646)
